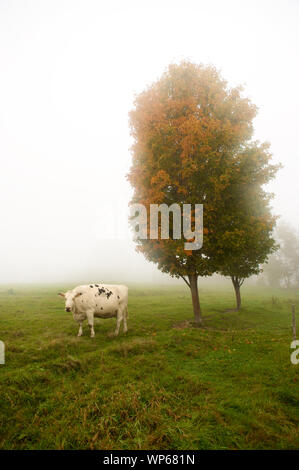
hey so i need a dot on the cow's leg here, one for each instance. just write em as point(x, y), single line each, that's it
point(80, 333)
point(119, 317)
point(125, 320)
point(90, 320)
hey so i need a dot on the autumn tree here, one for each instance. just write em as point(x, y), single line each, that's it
point(190, 131)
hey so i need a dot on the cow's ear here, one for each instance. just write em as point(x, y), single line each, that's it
point(77, 295)
point(61, 294)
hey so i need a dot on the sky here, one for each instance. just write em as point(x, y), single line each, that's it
point(69, 72)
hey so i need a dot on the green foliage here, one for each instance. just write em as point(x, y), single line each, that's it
point(243, 236)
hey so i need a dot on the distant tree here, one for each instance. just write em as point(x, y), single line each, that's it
point(282, 270)
point(191, 137)
point(272, 271)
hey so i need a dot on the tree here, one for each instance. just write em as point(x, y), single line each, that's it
point(191, 132)
point(243, 240)
point(252, 248)
point(282, 270)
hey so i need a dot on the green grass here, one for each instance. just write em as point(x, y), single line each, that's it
point(165, 385)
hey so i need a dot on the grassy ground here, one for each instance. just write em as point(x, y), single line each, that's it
point(165, 385)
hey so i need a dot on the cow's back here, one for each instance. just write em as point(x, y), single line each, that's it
point(103, 299)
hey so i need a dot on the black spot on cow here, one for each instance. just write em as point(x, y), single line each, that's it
point(90, 286)
point(118, 297)
point(101, 290)
point(101, 308)
point(97, 285)
point(108, 293)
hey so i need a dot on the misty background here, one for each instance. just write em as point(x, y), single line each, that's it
point(69, 72)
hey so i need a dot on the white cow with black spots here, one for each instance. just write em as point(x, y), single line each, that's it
point(97, 300)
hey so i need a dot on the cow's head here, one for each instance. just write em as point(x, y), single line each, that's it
point(69, 298)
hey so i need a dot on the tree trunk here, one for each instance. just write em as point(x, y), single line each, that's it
point(195, 298)
point(237, 292)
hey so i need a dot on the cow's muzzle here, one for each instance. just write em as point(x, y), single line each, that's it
point(67, 309)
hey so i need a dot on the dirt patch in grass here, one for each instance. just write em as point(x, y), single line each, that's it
point(69, 364)
point(13, 348)
point(136, 346)
point(183, 324)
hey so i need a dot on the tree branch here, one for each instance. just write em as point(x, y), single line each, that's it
point(185, 280)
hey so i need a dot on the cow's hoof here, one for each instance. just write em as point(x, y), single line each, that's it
point(92, 336)
point(111, 335)
point(79, 336)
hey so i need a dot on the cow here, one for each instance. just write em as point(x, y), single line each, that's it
point(97, 300)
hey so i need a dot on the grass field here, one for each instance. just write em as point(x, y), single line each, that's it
point(165, 385)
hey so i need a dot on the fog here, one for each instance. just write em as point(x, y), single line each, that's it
point(69, 72)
